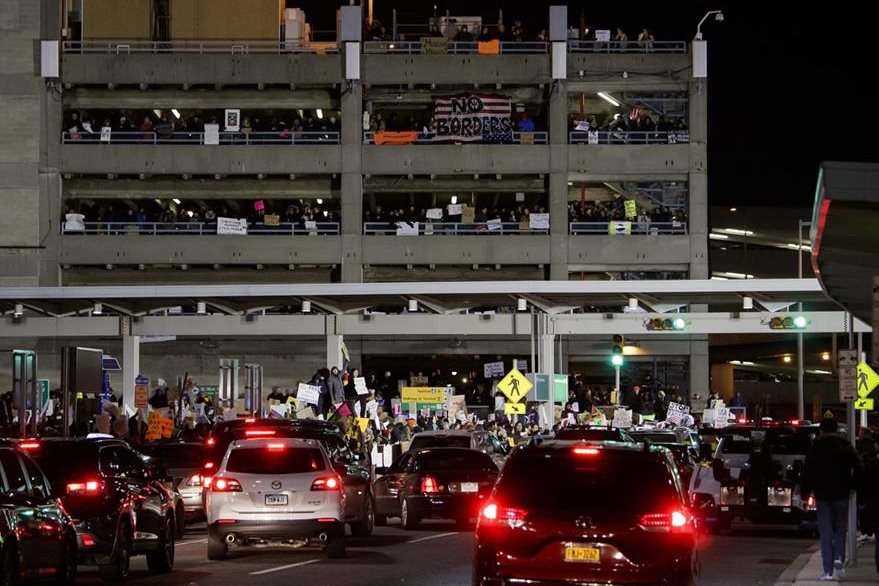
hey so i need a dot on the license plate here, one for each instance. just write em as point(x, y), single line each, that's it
point(276, 500)
point(582, 554)
point(469, 487)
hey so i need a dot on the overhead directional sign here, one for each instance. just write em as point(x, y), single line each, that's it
point(515, 386)
point(864, 404)
point(867, 380)
point(514, 408)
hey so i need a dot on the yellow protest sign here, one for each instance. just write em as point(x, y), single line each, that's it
point(514, 408)
point(631, 209)
point(515, 385)
point(424, 395)
point(167, 427)
point(154, 427)
point(864, 404)
point(362, 422)
point(867, 380)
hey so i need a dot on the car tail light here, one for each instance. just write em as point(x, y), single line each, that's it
point(429, 485)
point(194, 480)
point(211, 442)
point(326, 483)
point(586, 451)
point(250, 420)
point(259, 432)
point(743, 421)
point(810, 503)
point(29, 445)
point(674, 522)
point(497, 515)
point(275, 447)
point(88, 540)
point(208, 465)
point(87, 487)
point(224, 484)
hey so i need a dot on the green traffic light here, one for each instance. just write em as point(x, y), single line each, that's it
point(616, 360)
point(800, 321)
point(679, 323)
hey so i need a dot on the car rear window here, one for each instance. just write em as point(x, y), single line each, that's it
point(454, 460)
point(563, 482)
point(433, 441)
point(175, 456)
point(66, 461)
point(262, 460)
point(789, 444)
point(735, 445)
point(597, 435)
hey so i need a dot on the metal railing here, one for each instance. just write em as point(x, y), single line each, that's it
point(454, 47)
point(577, 46)
point(243, 47)
point(225, 138)
point(628, 137)
point(638, 228)
point(196, 229)
point(541, 137)
point(449, 229)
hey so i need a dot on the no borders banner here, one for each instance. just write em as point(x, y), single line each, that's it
point(473, 118)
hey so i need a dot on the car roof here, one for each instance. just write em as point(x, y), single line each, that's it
point(296, 442)
point(449, 433)
point(558, 445)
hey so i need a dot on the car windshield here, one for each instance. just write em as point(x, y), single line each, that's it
point(263, 460)
point(439, 441)
point(573, 483)
point(174, 456)
point(455, 460)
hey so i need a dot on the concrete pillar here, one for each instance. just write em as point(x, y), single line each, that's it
point(334, 344)
point(352, 183)
point(698, 179)
point(700, 371)
point(546, 353)
point(130, 367)
point(558, 180)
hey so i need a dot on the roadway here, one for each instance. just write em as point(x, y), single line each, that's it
point(437, 555)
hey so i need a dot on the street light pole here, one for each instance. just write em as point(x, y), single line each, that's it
point(718, 16)
point(801, 392)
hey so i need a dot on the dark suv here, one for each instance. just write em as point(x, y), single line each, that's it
point(567, 512)
point(37, 535)
point(356, 478)
point(119, 507)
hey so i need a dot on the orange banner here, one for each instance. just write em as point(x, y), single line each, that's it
point(489, 47)
point(406, 137)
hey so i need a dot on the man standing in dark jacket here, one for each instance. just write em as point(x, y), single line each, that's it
point(832, 471)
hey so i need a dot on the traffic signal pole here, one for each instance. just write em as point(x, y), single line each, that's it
point(617, 385)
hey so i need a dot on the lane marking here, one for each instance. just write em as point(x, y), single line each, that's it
point(282, 568)
point(181, 543)
point(429, 537)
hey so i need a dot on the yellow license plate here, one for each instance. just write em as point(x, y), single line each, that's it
point(582, 554)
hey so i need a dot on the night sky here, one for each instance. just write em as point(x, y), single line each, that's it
point(787, 82)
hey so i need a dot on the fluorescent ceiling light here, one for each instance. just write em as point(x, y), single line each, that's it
point(190, 213)
point(320, 114)
point(715, 236)
point(817, 371)
point(746, 363)
point(795, 246)
point(158, 113)
point(738, 232)
point(176, 113)
point(175, 200)
point(733, 275)
point(716, 278)
point(735, 361)
point(607, 97)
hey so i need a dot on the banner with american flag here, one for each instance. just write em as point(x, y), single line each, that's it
point(473, 118)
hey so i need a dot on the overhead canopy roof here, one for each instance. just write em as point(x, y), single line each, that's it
point(446, 297)
point(845, 234)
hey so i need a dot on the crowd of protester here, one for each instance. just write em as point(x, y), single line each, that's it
point(613, 211)
point(513, 214)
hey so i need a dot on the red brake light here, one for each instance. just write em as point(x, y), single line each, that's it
point(275, 447)
point(208, 465)
point(88, 540)
point(88, 487)
point(195, 480)
point(326, 483)
point(222, 484)
point(586, 451)
point(743, 421)
point(29, 445)
point(675, 521)
point(250, 420)
point(429, 485)
point(259, 432)
point(493, 514)
point(211, 442)
point(794, 421)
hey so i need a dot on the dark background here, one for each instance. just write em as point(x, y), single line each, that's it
point(788, 82)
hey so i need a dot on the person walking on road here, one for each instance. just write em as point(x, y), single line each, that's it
point(832, 471)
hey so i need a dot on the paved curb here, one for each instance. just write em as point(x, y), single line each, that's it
point(789, 576)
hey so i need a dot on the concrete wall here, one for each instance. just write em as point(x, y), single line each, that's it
point(116, 19)
point(226, 19)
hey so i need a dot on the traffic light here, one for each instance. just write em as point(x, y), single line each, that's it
point(616, 350)
point(788, 322)
point(666, 324)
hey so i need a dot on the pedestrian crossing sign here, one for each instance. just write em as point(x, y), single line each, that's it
point(515, 386)
point(864, 404)
point(514, 408)
point(867, 380)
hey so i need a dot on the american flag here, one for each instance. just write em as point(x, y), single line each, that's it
point(473, 118)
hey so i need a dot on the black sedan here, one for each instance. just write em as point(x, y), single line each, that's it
point(38, 537)
point(445, 483)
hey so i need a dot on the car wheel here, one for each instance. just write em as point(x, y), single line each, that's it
point(118, 568)
point(336, 549)
point(217, 549)
point(365, 526)
point(10, 575)
point(67, 565)
point(408, 520)
point(161, 560)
